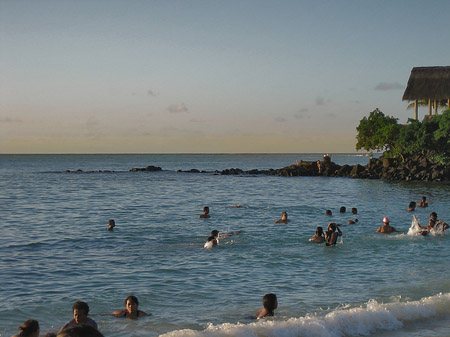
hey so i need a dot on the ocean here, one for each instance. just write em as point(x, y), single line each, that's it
point(55, 248)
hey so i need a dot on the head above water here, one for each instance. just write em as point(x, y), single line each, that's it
point(319, 230)
point(354, 210)
point(332, 226)
point(433, 215)
point(215, 233)
point(132, 299)
point(81, 306)
point(342, 209)
point(206, 210)
point(386, 220)
point(328, 212)
point(29, 328)
point(270, 302)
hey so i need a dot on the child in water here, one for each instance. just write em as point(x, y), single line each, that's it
point(131, 311)
point(29, 328)
point(205, 214)
point(270, 303)
point(80, 311)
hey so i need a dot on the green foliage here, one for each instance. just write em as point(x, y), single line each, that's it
point(380, 132)
point(377, 132)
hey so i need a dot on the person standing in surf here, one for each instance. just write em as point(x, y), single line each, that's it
point(332, 234)
point(386, 228)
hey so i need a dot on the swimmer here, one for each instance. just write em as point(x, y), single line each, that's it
point(411, 206)
point(342, 209)
point(284, 218)
point(354, 210)
point(423, 202)
point(80, 311)
point(111, 225)
point(131, 311)
point(80, 331)
point(270, 303)
point(328, 212)
point(318, 237)
point(213, 239)
point(205, 214)
point(386, 228)
point(29, 328)
point(351, 222)
point(331, 235)
point(433, 222)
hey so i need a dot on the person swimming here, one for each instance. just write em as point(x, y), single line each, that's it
point(423, 202)
point(270, 303)
point(213, 239)
point(30, 328)
point(411, 206)
point(433, 223)
point(131, 311)
point(328, 212)
point(205, 214)
point(80, 311)
point(332, 234)
point(351, 222)
point(342, 209)
point(354, 210)
point(284, 218)
point(319, 236)
point(386, 228)
point(111, 225)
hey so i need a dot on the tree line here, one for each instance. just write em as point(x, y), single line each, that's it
point(430, 138)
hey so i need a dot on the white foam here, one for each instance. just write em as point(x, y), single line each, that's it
point(357, 321)
point(416, 230)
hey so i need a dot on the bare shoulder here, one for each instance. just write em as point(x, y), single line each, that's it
point(119, 313)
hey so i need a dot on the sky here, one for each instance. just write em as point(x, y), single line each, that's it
point(208, 76)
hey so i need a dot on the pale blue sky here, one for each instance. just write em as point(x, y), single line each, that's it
point(207, 76)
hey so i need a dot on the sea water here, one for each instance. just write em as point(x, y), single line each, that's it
point(55, 248)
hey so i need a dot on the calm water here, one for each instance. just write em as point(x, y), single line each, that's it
point(54, 248)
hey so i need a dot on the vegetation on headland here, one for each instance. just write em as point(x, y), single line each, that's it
point(429, 138)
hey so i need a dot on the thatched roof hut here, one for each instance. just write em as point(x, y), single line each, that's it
point(431, 84)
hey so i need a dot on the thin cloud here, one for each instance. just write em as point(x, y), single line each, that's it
point(178, 108)
point(302, 113)
point(10, 120)
point(151, 93)
point(280, 120)
point(385, 86)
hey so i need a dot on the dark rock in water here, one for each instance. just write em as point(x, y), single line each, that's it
point(416, 168)
point(232, 171)
point(356, 170)
point(148, 168)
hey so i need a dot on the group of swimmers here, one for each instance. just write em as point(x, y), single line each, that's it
point(82, 325)
point(333, 231)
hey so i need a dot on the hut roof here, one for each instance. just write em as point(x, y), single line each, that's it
point(428, 83)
